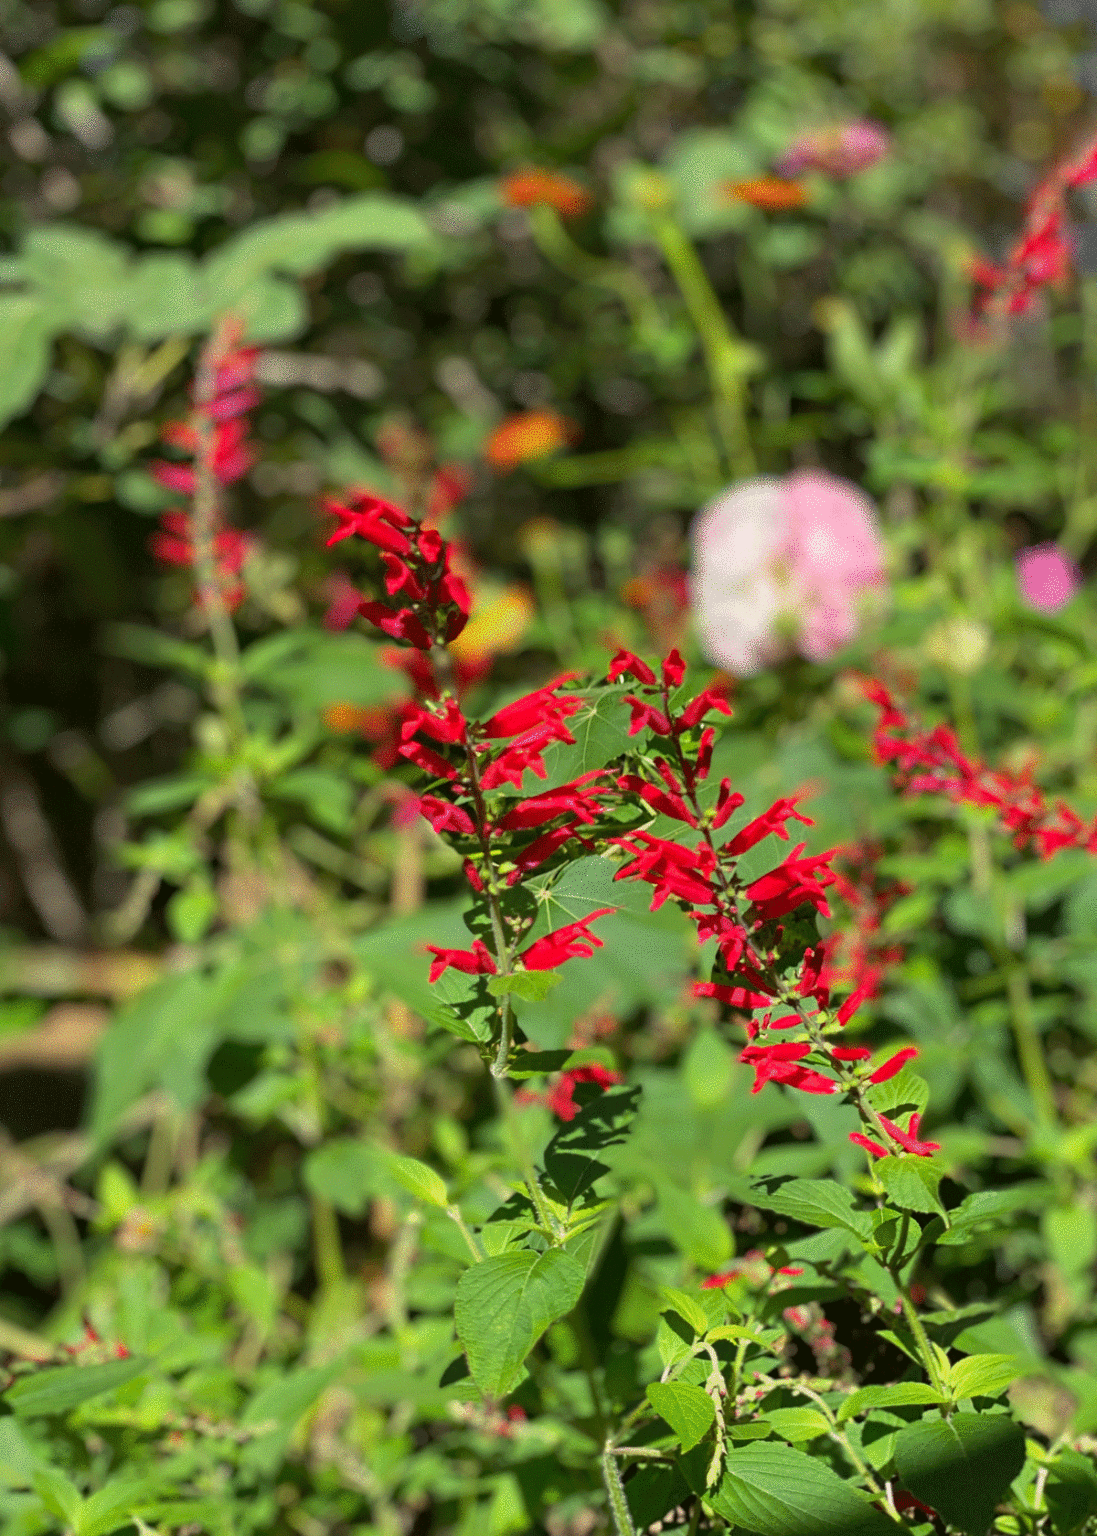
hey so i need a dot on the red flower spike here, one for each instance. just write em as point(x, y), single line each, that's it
point(447, 724)
point(872, 1147)
point(539, 709)
point(771, 821)
point(626, 662)
point(373, 519)
point(572, 940)
point(735, 997)
point(535, 810)
point(476, 961)
point(893, 1065)
point(852, 1053)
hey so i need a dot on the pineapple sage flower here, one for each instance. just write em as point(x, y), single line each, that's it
point(782, 564)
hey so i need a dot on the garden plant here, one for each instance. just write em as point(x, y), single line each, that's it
point(548, 796)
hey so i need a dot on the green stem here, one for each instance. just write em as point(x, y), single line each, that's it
point(516, 1136)
point(462, 1226)
point(921, 1338)
point(1030, 1050)
point(727, 358)
point(327, 1245)
point(618, 1504)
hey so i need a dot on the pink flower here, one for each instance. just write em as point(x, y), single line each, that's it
point(1047, 577)
point(840, 151)
point(779, 559)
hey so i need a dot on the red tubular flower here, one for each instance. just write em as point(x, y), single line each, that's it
point(476, 961)
point(791, 884)
point(872, 1147)
point(713, 697)
point(445, 817)
point(674, 670)
point(771, 821)
point(908, 1139)
point(735, 997)
point(726, 804)
point(670, 868)
point(562, 1098)
point(543, 848)
point(426, 758)
point(668, 804)
point(646, 717)
point(398, 624)
point(574, 939)
point(571, 798)
point(893, 1065)
point(445, 724)
point(625, 662)
point(853, 1053)
point(372, 518)
point(541, 709)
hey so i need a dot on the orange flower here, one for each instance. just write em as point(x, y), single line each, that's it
point(345, 718)
point(524, 189)
point(530, 435)
point(772, 193)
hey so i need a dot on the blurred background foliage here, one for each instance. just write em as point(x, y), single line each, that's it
point(334, 169)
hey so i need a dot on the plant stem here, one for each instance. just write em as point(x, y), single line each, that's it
point(462, 1226)
point(327, 1246)
point(618, 1504)
point(921, 1338)
point(1030, 1050)
point(727, 358)
point(515, 1135)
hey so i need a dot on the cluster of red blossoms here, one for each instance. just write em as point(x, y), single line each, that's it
point(504, 839)
point(215, 438)
point(1042, 254)
point(738, 914)
point(931, 762)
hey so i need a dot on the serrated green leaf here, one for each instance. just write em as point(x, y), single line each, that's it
point(961, 1466)
point(62, 1388)
point(1071, 1492)
point(901, 1394)
point(797, 1424)
point(345, 1172)
point(533, 986)
point(911, 1182)
point(687, 1307)
point(815, 1202)
point(505, 1304)
point(983, 1375)
point(770, 1489)
point(697, 1230)
point(689, 1411)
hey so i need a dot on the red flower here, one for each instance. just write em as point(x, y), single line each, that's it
point(372, 518)
point(894, 1064)
point(476, 961)
point(567, 942)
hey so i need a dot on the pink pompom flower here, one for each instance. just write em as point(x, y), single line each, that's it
point(1047, 577)
point(778, 561)
point(840, 151)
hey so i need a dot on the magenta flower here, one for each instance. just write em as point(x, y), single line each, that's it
point(1048, 577)
point(780, 561)
point(840, 151)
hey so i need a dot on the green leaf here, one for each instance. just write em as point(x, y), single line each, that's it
point(902, 1394)
point(991, 1210)
point(697, 1230)
point(137, 642)
point(689, 1411)
point(983, 1375)
point(344, 1171)
point(815, 1202)
point(961, 1466)
point(653, 1491)
point(282, 1403)
point(770, 1489)
point(533, 986)
point(110, 1507)
point(708, 1069)
point(1071, 1235)
point(26, 336)
point(417, 1178)
point(797, 1424)
point(503, 1307)
point(571, 1159)
point(62, 1388)
point(1071, 1492)
point(911, 1182)
point(61, 1497)
point(686, 1307)
point(16, 1456)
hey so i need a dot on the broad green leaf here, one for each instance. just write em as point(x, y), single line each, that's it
point(281, 1403)
point(1071, 1235)
point(911, 1182)
point(961, 1466)
point(26, 336)
point(770, 1489)
point(983, 1375)
point(532, 986)
point(110, 1507)
point(417, 1178)
point(60, 1496)
point(653, 1491)
point(138, 642)
point(571, 1157)
point(707, 1069)
point(688, 1410)
point(993, 1209)
point(345, 1172)
point(16, 1457)
point(816, 1202)
point(697, 1230)
point(902, 1394)
point(686, 1307)
point(1071, 1492)
point(503, 1307)
point(797, 1424)
point(61, 1388)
